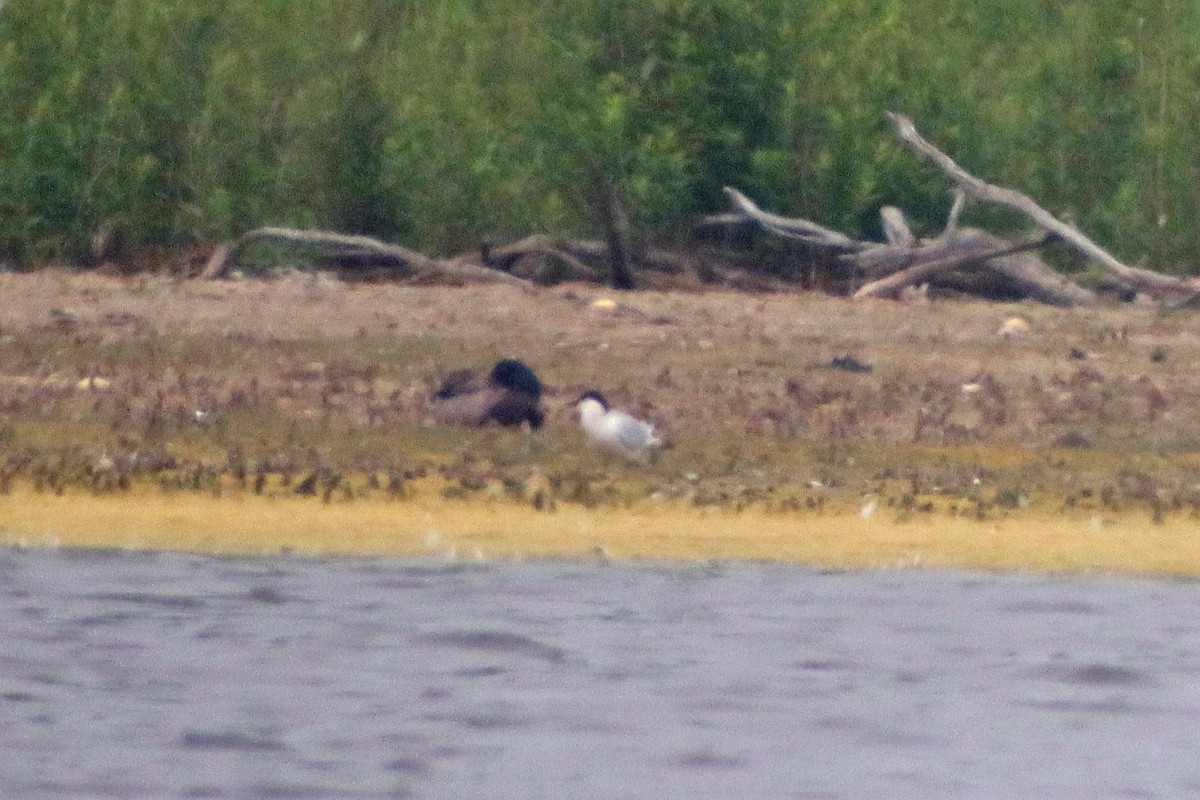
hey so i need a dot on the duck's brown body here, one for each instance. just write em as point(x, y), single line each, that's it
point(511, 395)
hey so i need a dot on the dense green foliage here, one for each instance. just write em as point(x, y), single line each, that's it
point(443, 122)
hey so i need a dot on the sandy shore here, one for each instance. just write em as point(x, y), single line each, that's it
point(128, 405)
point(485, 530)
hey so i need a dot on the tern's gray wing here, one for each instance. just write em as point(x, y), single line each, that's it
point(629, 432)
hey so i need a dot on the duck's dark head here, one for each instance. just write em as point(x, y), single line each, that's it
point(593, 395)
point(516, 376)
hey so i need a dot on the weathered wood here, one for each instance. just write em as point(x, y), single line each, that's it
point(960, 202)
point(219, 263)
point(1023, 276)
point(1029, 276)
point(955, 257)
point(798, 229)
point(731, 227)
point(396, 260)
point(883, 260)
point(507, 257)
point(595, 253)
point(1153, 283)
point(895, 227)
point(582, 259)
point(1190, 302)
point(910, 260)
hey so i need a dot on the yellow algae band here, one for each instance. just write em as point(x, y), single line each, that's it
point(426, 524)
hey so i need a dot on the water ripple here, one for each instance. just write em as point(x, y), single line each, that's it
point(136, 676)
point(230, 740)
point(499, 642)
point(1094, 674)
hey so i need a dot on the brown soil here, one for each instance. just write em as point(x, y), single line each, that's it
point(104, 381)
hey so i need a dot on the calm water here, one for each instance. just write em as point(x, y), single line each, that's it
point(159, 676)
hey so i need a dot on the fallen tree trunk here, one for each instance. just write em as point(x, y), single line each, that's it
point(594, 252)
point(390, 259)
point(1141, 280)
point(1030, 276)
point(579, 259)
point(802, 230)
point(508, 257)
point(906, 260)
point(884, 259)
point(1015, 270)
point(891, 285)
point(537, 259)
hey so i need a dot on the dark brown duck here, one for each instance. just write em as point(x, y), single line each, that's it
point(511, 395)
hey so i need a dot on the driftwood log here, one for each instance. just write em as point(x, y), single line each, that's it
point(542, 259)
point(534, 259)
point(891, 285)
point(959, 258)
point(360, 254)
point(579, 259)
point(1001, 268)
point(966, 257)
point(1136, 279)
point(800, 230)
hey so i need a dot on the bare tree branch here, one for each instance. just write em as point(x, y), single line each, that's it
point(1001, 265)
point(798, 229)
point(401, 261)
point(895, 227)
point(1153, 283)
point(504, 257)
point(960, 202)
point(1001, 259)
point(892, 284)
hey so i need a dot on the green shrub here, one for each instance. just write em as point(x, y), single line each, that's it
point(445, 123)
